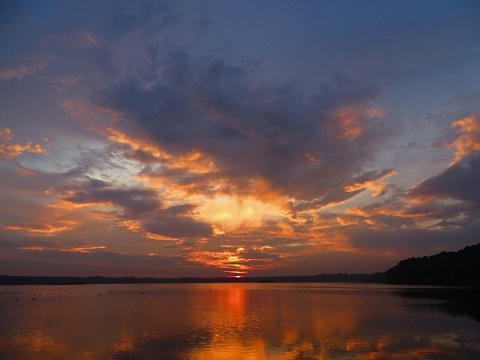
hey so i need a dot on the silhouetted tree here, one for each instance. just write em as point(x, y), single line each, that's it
point(460, 268)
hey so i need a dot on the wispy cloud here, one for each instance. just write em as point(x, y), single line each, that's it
point(26, 67)
point(43, 229)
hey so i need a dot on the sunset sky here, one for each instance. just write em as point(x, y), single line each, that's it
point(233, 138)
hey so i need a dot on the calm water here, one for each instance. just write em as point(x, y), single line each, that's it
point(232, 321)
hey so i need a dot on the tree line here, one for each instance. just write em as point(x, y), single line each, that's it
point(460, 268)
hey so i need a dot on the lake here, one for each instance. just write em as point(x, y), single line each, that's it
point(237, 321)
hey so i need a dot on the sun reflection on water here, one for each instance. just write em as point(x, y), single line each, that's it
point(226, 321)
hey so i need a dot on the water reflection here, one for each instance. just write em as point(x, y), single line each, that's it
point(451, 301)
point(230, 321)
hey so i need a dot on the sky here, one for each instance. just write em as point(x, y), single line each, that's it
point(236, 138)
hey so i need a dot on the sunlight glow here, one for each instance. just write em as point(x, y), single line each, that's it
point(229, 213)
point(469, 140)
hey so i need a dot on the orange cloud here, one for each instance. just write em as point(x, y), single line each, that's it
point(226, 260)
point(193, 161)
point(351, 120)
point(378, 188)
point(119, 137)
point(237, 260)
point(10, 151)
point(469, 140)
point(367, 216)
point(44, 229)
point(347, 222)
point(153, 236)
point(133, 225)
point(84, 249)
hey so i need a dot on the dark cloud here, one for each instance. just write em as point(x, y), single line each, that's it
point(52, 261)
point(415, 242)
point(439, 210)
point(134, 201)
point(282, 133)
point(458, 182)
point(126, 17)
point(6, 245)
point(177, 222)
point(260, 256)
point(329, 196)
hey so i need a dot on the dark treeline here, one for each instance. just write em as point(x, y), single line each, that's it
point(68, 280)
point(461, 268)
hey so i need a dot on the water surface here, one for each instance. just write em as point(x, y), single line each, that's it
point(233, 321)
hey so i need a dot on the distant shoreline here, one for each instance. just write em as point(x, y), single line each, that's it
point(461, 268)
point(73, 280)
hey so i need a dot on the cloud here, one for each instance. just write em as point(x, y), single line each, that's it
point(300, 143)
point(236, 260)
point(84, 249)
point(241, 156)
point(9, 150)
point(26, 67)
point(91, 260)
point(458, 182)
point(43, 229)
point(79, 39)
point(413, 241)
point(176, 223)
point(134, 202)
point(469, 139)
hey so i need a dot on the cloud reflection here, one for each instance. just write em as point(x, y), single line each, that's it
point(225, 321)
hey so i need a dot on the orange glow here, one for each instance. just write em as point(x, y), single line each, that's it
point(469, 140)
point(356, 344)
point(231, 262)
point(44, 228)
point(119, 137)
point(310, 157)
point(350, 120)
point(153, 236)
point(347, 222)
point(358, 211)
point(10, 151)
point(242, 324)
point(78, 249)
point(6, 134)
point(34, 248)
point(377, 188)
point(133, 225)
point(193, 161)
point(84, 248)
point(228, 213)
